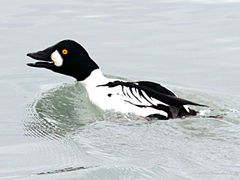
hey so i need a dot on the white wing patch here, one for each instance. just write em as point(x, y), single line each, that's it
point(138, 97)
point(186, 108)
point(153, 101)
point(119, 98)
point(136, 94)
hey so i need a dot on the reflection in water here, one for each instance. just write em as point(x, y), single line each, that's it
point(59, 111)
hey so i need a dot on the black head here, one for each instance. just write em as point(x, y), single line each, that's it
point(66, 57)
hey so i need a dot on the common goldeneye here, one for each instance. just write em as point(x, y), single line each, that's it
point(143, 98)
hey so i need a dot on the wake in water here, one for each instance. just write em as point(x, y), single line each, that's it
point(66, 108)
point(85, 140)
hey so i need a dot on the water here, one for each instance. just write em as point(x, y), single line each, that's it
point(49, 130)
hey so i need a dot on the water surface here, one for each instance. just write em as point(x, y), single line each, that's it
point(49, 129)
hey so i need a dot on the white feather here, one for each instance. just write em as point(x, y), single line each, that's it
point(186, 108)
point(57, 58)
point(117, 101)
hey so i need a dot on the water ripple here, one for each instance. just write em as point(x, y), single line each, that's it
point(59, 111)
point(93, 144)
point(66, 108)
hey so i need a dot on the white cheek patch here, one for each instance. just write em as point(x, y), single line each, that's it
point(57, 58)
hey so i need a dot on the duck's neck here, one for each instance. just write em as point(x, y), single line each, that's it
point(94, 79)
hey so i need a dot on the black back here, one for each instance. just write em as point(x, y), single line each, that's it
point(154, 90)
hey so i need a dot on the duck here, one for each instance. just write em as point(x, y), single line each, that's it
point(141, 98)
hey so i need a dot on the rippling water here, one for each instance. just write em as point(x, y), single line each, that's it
point(49, 129)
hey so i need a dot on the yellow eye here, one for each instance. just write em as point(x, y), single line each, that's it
point(64, 51)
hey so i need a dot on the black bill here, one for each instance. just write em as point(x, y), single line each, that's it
point(44, 56)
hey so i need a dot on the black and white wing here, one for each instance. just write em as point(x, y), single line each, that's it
point(153, 95)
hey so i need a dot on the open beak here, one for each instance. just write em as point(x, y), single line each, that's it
point(44, 57)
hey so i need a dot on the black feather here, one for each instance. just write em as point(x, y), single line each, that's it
point(154, 90)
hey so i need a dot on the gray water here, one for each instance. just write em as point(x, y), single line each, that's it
point(48, 128)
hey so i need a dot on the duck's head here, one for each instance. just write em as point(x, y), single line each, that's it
point(66, 57)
